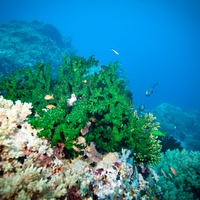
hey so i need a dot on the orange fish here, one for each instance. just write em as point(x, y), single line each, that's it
point(93, 119)
point(48, 97)
point(50, 106)
point(154, 197)
point(76, 148)
point(60, 144)
point(173, 171)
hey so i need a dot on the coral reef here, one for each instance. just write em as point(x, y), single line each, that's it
point(179, 174)
point(184, 126)
point(31, 169)
point(27, 43)
point(71, 132)
point(97, 106)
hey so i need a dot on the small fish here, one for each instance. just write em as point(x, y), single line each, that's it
point(173, 171)
point(164, 174)
point(158, 133)
point(50, 106)
point(141, 107)
point(93, 119)
point(154, 197)
point(115, 51)
point(150, 90)
point(170, 176)
point(48, 97)
point(76, 148)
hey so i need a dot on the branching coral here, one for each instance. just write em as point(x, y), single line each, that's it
point(179, 174)
point(11, 117)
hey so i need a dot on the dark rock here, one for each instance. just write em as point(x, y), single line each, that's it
point(27, 43)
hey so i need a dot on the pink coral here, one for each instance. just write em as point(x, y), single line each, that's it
point(86, 128)
point(92, 153)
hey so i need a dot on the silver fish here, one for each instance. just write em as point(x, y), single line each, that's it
point(115, 51)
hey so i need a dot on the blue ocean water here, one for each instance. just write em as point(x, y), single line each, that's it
point(157, 40)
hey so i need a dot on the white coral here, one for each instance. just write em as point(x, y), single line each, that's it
point(110, 157)
point(71, 100)
point(12, 115)
point(27, 137)
point(16, 134)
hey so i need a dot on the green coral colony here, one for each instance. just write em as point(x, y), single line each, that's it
point(101, 99)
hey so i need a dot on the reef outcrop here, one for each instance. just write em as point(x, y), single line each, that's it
point(27, 43)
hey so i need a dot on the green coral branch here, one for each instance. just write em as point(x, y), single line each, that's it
point(100, 96)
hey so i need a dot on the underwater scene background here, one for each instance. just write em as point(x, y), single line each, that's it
point(99, 99)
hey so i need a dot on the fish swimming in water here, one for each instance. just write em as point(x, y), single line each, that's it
point(141, 107)
point(164, 174)
point(50, 106)
point(48, 97)
point(115, 51)
point(150, 90)
point(173, 171)
point(159, 133)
